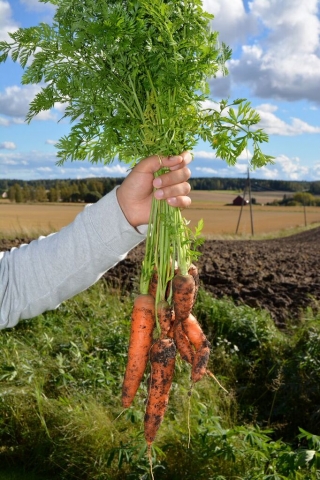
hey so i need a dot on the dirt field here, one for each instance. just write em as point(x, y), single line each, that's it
point(219, 219)
point(280, 275)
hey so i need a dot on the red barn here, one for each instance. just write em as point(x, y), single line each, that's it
point(239, 200)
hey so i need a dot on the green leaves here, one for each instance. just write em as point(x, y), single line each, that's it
point(231, 131)
point(133, 76)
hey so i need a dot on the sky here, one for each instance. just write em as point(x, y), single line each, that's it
point(275, 64)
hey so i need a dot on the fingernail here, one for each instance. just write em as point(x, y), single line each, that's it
point(175, 158)
point(172, 201)
point(158, 194)
point(157, 182)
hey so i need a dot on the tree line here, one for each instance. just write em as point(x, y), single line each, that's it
point(300, 198)
point(91, 189)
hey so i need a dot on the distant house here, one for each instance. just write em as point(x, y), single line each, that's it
point(4, 195)
point(239, 200)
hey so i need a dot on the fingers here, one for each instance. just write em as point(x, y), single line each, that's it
point(173, 187)
point(156, 162)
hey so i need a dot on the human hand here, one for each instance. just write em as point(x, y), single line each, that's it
point(137, 190)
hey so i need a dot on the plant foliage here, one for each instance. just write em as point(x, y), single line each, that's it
point(133, 76)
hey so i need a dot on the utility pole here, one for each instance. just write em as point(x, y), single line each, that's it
point(247, 185)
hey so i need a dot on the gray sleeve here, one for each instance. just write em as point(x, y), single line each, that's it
point(39, 276)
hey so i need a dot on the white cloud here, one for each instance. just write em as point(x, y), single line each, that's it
point(291, 168)
point(316, 171)
point(7, 146)
point(230, 19)
point(35, 5)
point(15, 101)
point(51, 142)
point(7, 24)
point(273, 125)
point(46, 115)
point(4, 122)
point(205, 154)
point(283, 60)
point(207, 170)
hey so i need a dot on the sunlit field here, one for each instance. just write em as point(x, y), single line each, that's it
point(214, 207)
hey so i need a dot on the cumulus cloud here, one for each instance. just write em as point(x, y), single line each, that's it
point(7, 23)
point(15, 101)
point(282, 60)
point(37, 164)
point(316, 171)
point(7, 146)
point(51, 142)
point(230, 20)
point(4, 122)
point(273, 125)
point(291, 167)
point(206, 171)
point(36, 6)
point(204, 154)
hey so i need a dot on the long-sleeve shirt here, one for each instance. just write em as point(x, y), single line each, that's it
point(39, 276)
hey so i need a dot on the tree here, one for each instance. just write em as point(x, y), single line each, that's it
point(304, 198)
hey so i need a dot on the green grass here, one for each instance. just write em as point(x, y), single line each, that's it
point(60, 388)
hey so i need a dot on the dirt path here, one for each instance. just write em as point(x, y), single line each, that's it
point(282, 276)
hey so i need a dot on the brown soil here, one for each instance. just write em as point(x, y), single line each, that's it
point(281, 275)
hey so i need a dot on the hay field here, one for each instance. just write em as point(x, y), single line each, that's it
point(220, 220)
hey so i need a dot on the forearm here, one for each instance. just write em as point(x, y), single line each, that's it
point(39, 276)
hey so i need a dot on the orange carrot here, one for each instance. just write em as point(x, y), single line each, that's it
point(183, 290)
point(200, 362)
point(183, 344)
point(198, 339)
point(162, 359)
point(142, 325)
point(170, 333)
point(153, 284)
point(194, 272)
point(164, 313)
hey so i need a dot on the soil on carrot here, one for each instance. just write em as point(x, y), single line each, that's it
point(280, 275)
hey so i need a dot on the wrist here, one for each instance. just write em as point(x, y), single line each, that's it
point(127, 208)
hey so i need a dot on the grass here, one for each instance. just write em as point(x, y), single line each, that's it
point(60, 387)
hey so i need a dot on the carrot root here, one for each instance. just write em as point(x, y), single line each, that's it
point(162, 359)
point(141, 335)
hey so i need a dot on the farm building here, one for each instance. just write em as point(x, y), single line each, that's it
point(239, 200)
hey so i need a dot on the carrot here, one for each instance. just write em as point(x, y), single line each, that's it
point(162, 359)
point(198, 339)
point(164, 313)
point(199, 365)
point(183, 344)
point(183, 291)
point(153, 284)
point(194, 272)
point(142, 325)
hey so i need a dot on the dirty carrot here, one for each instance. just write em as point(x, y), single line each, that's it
point(194, 272)
point(153, 284)
point(162, 360)
point(183, 291)
point(141, 335)
point(183, 344)
point(164, 316)
point(198, 339)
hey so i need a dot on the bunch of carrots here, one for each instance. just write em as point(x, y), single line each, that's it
point(162, 322)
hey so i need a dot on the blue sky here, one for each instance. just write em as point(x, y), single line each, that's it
point(275, 65)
